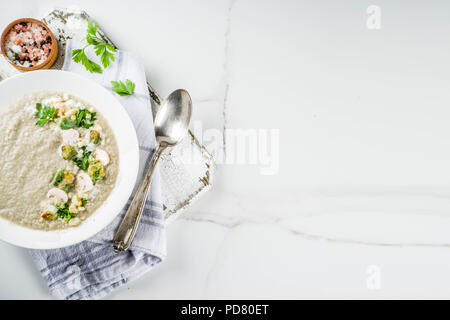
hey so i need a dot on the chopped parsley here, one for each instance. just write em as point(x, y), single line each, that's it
point(83, 161)
point(45, 114)
point(85, 118)
point(64, 213)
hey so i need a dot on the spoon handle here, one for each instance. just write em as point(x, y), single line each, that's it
point(125, 233)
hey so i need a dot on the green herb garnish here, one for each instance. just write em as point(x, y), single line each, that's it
point(85, 118)
point(64, 213)
point(101, 48)
point(45, 114)
point(83, 161)
point(123, 89)
point(67, 123)
point(83, 202)
point(78, 56)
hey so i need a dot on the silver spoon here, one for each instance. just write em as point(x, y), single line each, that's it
point(171, 125)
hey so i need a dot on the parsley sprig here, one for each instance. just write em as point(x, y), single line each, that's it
point(123, 89)
point(63, 210)
point(83, 161)
point(45, 114)
point(64, 213)
point(83, 119)
point(101, 48)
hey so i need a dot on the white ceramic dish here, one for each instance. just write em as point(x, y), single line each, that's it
point(104, 102)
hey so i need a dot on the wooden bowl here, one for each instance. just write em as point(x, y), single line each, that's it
point(51, 59)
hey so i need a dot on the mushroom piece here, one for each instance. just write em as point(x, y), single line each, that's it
point(70, 136)
point(74, 221)
point(57, 196)
point(102, 156)
point(83, 182)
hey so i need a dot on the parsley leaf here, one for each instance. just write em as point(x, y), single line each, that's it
point(78, 55)
point(63, 212)
point(45, 114)
point(123, 89)
point(85, 118)
point(101, 48)
point(83, 161)
point(92, 28)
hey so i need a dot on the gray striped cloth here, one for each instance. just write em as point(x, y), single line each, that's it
point(91, 269)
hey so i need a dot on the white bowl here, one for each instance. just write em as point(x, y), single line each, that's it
point(104, 102)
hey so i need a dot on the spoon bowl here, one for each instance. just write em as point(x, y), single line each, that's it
point(173, 117)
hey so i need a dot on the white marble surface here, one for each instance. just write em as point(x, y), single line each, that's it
point(360, 206)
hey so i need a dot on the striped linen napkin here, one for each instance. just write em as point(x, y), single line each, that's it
point(91, 269)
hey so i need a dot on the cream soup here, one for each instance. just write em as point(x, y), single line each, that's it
point(58, 161)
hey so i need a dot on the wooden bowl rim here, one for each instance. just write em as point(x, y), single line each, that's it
point(46, 61)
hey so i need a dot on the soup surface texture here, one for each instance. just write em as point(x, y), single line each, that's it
point(58, 161)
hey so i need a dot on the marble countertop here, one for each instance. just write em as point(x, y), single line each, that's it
point(349, 197)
